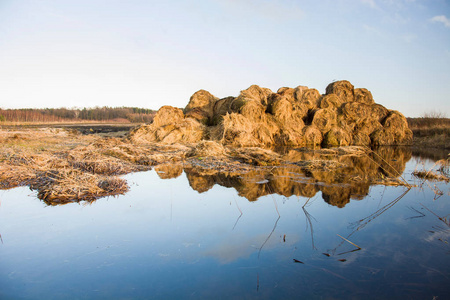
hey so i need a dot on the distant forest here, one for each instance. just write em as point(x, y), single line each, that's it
point(98, 114)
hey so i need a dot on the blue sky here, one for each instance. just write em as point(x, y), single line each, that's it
point(152, 53)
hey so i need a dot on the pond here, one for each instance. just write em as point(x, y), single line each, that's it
point(277, 234)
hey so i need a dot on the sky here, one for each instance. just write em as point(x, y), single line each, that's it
point(87, 53)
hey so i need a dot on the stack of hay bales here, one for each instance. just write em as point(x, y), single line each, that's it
point(170, 126)
point(292, 116)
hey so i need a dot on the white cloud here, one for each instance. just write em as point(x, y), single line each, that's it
point(443, 19)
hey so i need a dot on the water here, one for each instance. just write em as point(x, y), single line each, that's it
point(165, 240)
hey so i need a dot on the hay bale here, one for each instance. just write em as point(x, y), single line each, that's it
point(324, 119)
point(201, 99)
point(299, 91)
point(199, 115)
point(253, 110)
point(395, 119)
point(287, 93)
point(379, 112)
point(331, 101)
point(201, 106)
point(363, 96)
point(169, 126)
point(367, 126)
point(253, 93)
point(312, 135)
point(220, 109)
point(382, 137)
point(237, 130)
point(354, 111)
point(343, 89)
point(309, 98)
point(167, 115)
point(397, 126)
point(346, 124)
point(187, 131)
point(336, 137)
point(289, 118)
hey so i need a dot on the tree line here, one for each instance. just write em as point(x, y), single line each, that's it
point(131, 114)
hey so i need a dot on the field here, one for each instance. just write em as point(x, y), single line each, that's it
point(430, 132)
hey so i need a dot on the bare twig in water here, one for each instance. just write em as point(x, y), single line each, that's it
point(444, 220)
point(308, 222)
point(363, 222)
point(274, 227)
point(421, 214)
point(359, 248)
point(239, 215)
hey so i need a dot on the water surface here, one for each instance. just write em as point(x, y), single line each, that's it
point(271, 235)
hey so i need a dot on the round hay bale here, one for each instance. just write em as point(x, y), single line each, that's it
point(331, 101)
point(271, 99)
point(312, 135)
point(398, 125)
point(203, 102)
point(237, 130)
point(361, 139)
point(367, 126)
point(343, 89)
point(253, 110)
point(282, 109)
point(255, 93)
point(336, 137)
point(395, 119)
point(324, 119)
point(354, 111)
point(220, 109)
point(187, 131)
point(299, 91)
point(167, 115)
point(309, 98)
point(382, 137)
point(199, 115)
point(378, 112)
point(363, 96)
point(281, 90)
point(287, 93)
point(345, 123)
point(140, 134)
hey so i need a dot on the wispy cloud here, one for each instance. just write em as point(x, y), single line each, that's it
point(441, 19)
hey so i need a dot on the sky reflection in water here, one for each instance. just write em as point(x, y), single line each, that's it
point(165, 240)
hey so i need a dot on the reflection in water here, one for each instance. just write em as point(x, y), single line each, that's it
point(350, 180)
point(166, 241)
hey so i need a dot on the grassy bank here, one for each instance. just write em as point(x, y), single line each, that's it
point(430, 132)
